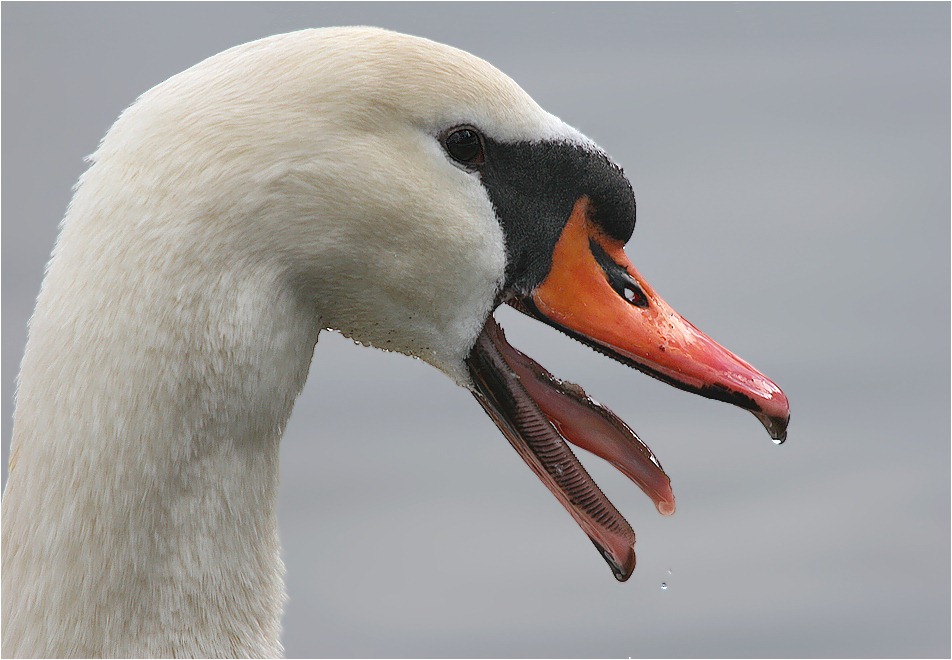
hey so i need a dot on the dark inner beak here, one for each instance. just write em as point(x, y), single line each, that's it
point(537, 413)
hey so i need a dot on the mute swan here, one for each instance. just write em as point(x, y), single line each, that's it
point(385, 186)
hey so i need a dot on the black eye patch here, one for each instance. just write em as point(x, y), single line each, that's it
point(533, 187)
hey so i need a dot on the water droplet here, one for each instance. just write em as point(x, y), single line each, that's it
point(664, 586)
point(559, 469)
point(669, 571)
point(777, 441)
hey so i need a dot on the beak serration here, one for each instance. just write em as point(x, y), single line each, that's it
point(501, 394)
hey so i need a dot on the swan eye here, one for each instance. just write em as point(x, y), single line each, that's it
point(465, 145)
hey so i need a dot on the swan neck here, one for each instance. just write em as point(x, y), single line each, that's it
point(139, 518)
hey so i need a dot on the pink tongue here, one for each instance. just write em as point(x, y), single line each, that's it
point(537, 413)
point(500, 392)
point(587, 424)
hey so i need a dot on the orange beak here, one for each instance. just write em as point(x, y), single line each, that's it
point(593, 293)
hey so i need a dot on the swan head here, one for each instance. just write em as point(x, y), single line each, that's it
point(403, 189)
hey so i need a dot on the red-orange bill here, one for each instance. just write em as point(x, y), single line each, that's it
point(593, 293)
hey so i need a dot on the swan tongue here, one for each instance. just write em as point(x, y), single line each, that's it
point(588, 424)
point(524, 400)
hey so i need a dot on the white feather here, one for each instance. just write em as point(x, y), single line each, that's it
point(281, 187)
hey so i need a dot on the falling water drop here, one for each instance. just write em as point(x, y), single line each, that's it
point(664, 586)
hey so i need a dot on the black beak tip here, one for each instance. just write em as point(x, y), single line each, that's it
point(776, 426)
point(622, 570)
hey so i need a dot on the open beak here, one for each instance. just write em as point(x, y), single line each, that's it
point(594, 294)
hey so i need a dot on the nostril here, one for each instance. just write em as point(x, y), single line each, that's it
point(629, 289)
point(635, 296)
point(618, 277)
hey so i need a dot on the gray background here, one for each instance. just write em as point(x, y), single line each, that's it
point(792, 170)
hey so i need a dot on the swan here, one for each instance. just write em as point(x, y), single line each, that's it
point(390, 188)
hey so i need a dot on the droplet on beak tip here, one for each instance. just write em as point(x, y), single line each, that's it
point(776, 426)
point(621, 571)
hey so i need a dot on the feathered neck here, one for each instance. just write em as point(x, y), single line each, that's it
point(139, 517)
